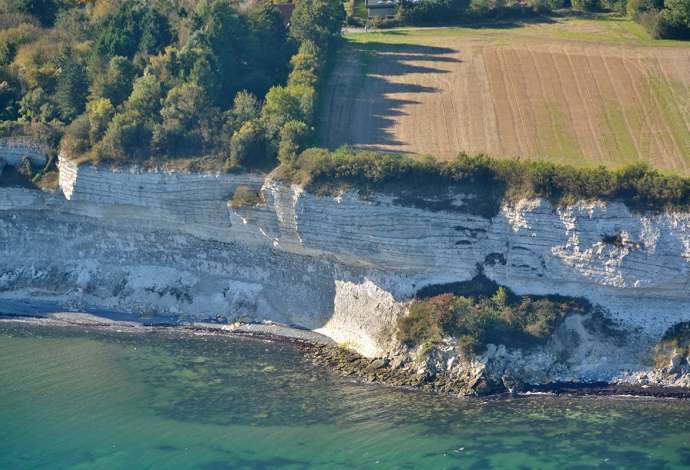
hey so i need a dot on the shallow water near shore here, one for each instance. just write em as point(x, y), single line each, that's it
point(79, 398)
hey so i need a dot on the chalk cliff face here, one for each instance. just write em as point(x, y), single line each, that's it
point(165, 243)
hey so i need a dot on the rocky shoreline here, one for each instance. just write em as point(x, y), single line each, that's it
point(394, 372)
point(322, 351)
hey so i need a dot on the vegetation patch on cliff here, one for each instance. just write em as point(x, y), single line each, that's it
point(479, 320)
point(27, 175)
point(638, 186)
point(245, 197)
point(674, 343)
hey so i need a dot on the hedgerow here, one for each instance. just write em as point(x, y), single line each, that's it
point(639, 186)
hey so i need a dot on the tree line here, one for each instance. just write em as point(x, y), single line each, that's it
point(135, 79)
point(662, 18)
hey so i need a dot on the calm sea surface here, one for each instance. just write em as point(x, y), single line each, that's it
point(87, 399)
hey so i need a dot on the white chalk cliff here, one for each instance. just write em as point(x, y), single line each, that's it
point(167, 243)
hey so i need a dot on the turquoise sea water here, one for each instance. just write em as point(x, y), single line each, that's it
point(88, 399)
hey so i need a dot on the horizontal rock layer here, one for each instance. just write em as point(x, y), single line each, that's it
point(13, 151)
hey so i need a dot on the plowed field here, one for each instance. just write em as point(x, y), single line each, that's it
point(573, 91)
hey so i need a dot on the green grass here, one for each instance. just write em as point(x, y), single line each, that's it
point(619, 144)
point(558, 142)
point(668, 100)
point(596, 28)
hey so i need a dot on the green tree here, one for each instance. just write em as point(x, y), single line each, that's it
point(44, 10)
point(99, 112)
point(155, 31)
point(119, 32)
point(306, 65)
point(10, 93)
point(675, 19)
point(223, 38)
point(128, 137)
point(248, 147)
point(267, 48)
point(585, 5)
point(72, 86)
point(245, 106)
point(317, 20)
point(36, 106)
point(187, 120)
point(280, 106)
point(75, 140)
point(146, 98)
point(116, 83)
point(293, 138)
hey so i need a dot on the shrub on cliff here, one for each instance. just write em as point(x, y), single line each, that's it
point(476, 321)
point(245, 197)
point(676, 341)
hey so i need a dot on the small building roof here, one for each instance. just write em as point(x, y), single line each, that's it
point(382, 3)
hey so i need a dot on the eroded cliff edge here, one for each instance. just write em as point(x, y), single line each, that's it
point(168, 243)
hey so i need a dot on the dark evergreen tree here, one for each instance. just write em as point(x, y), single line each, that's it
point(72, 86)
point(155, 32)
point(44, 10)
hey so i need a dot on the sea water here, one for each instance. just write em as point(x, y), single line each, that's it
point(90, 399)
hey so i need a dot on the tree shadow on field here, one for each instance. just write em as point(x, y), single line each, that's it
point(367, 113)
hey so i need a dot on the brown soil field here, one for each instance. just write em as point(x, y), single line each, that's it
point(569, 95)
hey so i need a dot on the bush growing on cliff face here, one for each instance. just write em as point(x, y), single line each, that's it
point(476, 321)
point(245, 197)
point(676, 340)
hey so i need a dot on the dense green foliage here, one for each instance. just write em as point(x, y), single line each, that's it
point(476, 321)
point(285, 124)
point(160, 79)
point(445, 11)
point(638, 186)
point(663, 18)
